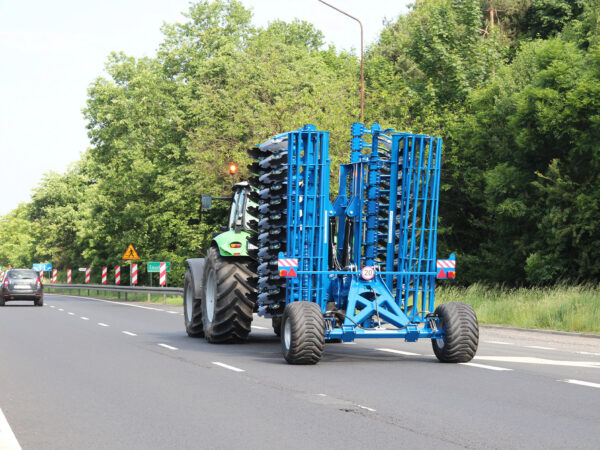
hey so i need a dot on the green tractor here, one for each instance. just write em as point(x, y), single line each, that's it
point(219, 296)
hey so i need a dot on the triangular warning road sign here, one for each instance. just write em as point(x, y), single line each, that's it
point(441, 274)
point(130, 253)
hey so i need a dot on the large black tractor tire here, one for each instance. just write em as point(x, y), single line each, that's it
point(276, 321)
point(192, 307)
point(226, 306)
point(462, 333)
point(302, 333)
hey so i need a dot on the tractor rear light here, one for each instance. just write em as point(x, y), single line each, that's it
point(235, 245)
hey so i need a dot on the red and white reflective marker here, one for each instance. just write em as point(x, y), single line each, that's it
point(117, 274)
point(87, 275)
point(104, 274)
point(134, 274)
point(68, 276)
point(367, 273)
point(41, 276)
point(54, 275)
point(163, 274)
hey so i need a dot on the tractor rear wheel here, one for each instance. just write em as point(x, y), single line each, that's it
point(302, 333)
point(192, 307)
point(226, 306)
point(460, 343)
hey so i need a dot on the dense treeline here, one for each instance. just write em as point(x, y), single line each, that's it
point(513, 87)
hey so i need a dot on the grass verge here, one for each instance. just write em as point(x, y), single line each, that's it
point(176, 300)
point(563, 308)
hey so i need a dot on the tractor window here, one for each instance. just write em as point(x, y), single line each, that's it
point(234, 210)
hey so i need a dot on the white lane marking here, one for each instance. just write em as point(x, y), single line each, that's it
point(8, 440)
point(483, 366)
point(399, 352)
point(168, 346)
point(539, 347)
point(322, 395)
point(367, 408)
point(71, 314)
point(128, 333)
point(103, 324)
point(256, 327)
point(84, 318)
point(52, 306)
point(60, 309)
point(114, 303)
point(498, 342)
point(539, 361)
point(171, 312)
point(226, 366)
point(582, 383)
point(589, 353)
point(349, 343)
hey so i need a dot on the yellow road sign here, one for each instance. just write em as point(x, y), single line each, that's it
point(130, 253)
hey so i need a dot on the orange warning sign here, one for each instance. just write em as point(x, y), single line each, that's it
point(130, 253)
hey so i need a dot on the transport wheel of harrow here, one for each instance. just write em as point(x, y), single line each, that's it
point(459, 322)
point(226, 307)
point(276, 325)
point(302, 333)
point(39, 301)
point(192, 308)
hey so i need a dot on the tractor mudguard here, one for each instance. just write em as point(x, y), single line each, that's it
point(224, 242)
point(196, 265)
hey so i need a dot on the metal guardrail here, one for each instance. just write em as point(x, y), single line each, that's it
point(127, 290)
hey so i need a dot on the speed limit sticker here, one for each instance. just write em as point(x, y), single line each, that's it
point(367, 272)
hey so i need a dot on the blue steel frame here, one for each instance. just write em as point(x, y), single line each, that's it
point(402, 199)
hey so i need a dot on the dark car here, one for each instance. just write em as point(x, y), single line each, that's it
point(22, 284)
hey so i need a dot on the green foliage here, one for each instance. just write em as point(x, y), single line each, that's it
point(513, 87)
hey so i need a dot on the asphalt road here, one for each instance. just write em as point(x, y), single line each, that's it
point(85, 374)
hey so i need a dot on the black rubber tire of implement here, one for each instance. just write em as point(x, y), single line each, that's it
point(233, 308)
point(39, 301)
point(193, 321)
point(276, 322)
point(307, 333)
point(462, 333)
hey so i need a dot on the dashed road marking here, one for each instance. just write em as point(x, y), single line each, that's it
point(367, 408)
point(52, 306)
point(171, 312)
point(582, 383)
point(60, 309)
point(84, 318)
point(498, 342)
point(588, 353)
point(399, 352)
point(539, 361)
point(103, 324)
point(256, 327)
point(539, 347)
point(227, 366)
point(483, 366)
point(128, 333)
point(71, 313)
point(8, 440)
point(168, 346)
point(349, 343)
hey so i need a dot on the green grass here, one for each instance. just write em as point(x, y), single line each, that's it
point(176, 300)
point(563, 308)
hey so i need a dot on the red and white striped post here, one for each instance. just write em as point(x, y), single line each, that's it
point(163, 274)
point(134, 271)
point(104, 274)
point(54, 275)
point(117, 274)
point(68, 276)
point(41, 276)
point(87, 275)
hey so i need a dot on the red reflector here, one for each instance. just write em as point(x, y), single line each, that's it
point(235, 245)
